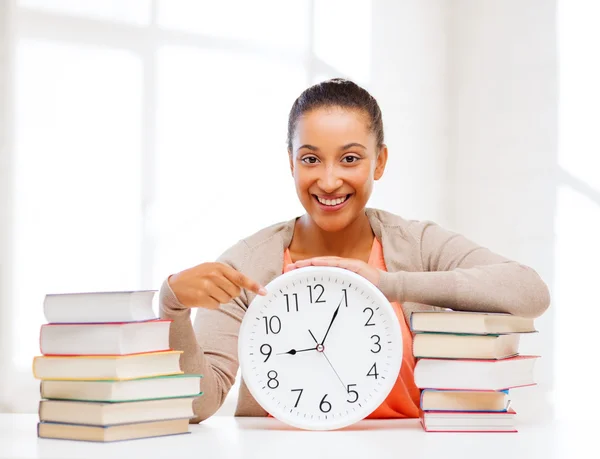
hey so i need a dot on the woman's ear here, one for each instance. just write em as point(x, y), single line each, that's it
point(380, 162)
point(291, 158)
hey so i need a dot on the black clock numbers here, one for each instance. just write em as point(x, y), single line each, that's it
point(266, 350)
point(376, 340)
point(318, 293)
point(373, 371)
point(370, 311)
point(272, 324)
point(287, 301)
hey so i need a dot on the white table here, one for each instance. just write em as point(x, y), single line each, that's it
point(232, 438)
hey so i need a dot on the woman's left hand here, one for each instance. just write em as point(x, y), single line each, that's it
point(358, 266)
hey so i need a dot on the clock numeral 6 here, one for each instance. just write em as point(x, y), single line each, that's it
point(352, 392)
point(310, 289)
point(272, 325)
point(325, 406)
point(271, 379)
point(368, 323)
point(376, 344)
point(268, 351)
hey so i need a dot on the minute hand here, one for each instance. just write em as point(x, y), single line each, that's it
point(331, 323)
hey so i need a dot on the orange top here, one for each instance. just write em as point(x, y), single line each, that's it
point(404, 399)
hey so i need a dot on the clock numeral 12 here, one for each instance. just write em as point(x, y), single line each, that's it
point(345, 297)
point(273, 324)
point(287, 301)
point(318, 300)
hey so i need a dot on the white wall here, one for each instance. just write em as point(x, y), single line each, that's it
point(409, 75)
point(503, 115)
point(5, 193)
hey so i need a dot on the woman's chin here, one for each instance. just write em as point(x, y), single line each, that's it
point(331, 223)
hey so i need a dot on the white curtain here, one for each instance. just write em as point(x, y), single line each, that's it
point(133, 125)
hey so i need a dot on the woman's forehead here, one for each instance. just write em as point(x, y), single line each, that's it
point(332, 125)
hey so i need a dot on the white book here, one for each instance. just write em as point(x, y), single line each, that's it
point(113, 433)
point(106, 414)
point(115, 367)
point(105, 339)
point(475, 374)
point(95, 307)
point(183, 385)
point(477, 323)
point(435, 421)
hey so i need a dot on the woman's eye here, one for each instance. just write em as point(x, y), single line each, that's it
point(351, 159)
point(309, 160)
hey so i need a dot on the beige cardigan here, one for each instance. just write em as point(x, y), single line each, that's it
point(427, 265)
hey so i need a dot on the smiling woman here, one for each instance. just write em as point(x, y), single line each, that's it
point(336, 152)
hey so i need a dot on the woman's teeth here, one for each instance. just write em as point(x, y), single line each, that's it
point(332, 202)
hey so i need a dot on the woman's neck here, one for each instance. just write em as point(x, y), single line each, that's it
point(311, 240)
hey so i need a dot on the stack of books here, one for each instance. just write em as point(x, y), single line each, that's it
point(466, 364)
point(107, 371)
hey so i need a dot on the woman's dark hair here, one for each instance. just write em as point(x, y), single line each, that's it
point(337, 92)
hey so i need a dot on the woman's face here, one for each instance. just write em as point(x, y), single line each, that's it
point(334, 161)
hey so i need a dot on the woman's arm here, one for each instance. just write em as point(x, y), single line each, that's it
point(210, 350)
point(461, 275)
point(210, 347)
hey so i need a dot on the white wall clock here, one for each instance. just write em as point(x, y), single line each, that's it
point(322, 350)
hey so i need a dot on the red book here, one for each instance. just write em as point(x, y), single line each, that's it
point(105, 339)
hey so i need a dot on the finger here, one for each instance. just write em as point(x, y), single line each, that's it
point(217, 293)
point(243, 281)
point(225, 284)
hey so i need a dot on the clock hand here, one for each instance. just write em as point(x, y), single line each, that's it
point(323, 352)
point(294, 351)
point(336, 373)
point(331, 323)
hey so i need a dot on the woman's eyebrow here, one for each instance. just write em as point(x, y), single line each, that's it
point(310, 147)
point(353, 144)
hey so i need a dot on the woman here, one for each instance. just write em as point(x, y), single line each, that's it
point(336, 151)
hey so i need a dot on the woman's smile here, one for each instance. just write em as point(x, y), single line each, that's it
point(332, 204)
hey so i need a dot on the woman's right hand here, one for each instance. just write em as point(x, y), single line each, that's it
point(209, 285)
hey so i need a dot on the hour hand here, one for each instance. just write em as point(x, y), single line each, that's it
point(294, 351)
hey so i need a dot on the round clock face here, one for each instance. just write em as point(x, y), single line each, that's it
point(322, 350)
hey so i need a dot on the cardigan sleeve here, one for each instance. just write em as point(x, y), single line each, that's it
point(458, 274)
point(210, 346)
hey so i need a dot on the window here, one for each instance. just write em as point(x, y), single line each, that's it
point(137, 118)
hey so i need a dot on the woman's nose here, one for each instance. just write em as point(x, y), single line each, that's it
point(330, 180)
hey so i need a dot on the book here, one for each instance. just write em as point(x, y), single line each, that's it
point(457, 400)
point(90, 307)
point(475, 374)
point(106, 414)
point(184, 385)
point(112, 367)
point(105, 339)
point(452, 346)
point(478, 323)
point(434, 421)
point(119, 432)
